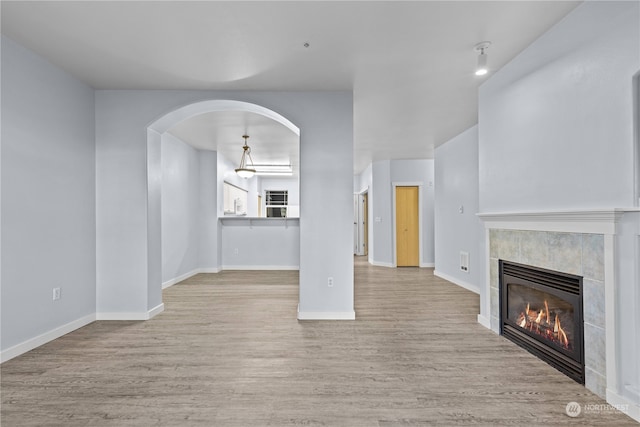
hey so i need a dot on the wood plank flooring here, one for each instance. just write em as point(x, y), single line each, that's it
point(228, 351)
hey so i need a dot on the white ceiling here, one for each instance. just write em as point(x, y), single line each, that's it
point(409, 63)
point(271, 142)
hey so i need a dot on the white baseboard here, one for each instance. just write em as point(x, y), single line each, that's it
point(144, 315)
point(180, 278)
point(461, 283)
point(261, 267)
point(326, 315)
point(427, 265)
point(382, 264)
point(484, 321)
point(156, 310)
point(623, 404)
point(32, 343)
point(185, 276)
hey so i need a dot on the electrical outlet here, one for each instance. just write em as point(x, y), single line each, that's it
point(236, 251)
point(330, 282)
point(464, 261)
point(56, 294)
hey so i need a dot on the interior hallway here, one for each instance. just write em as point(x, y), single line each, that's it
point(228, 351)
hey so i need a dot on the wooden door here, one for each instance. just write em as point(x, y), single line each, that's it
point(407, 227)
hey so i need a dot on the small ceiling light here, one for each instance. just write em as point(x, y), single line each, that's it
point(482, 69)
point(246, 170)
point(274, 170)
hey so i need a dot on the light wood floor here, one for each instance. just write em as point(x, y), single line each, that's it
point(228, 351)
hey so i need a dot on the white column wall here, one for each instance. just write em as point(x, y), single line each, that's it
point(181, 227)
point(208, 234)
point(380, 202)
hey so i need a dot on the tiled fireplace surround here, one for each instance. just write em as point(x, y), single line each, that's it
point(575, 253)
point(585, 243)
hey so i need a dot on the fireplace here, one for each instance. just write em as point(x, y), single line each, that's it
point(541, 311)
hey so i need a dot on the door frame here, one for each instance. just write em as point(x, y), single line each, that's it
point(360, 223)
point(420, 186)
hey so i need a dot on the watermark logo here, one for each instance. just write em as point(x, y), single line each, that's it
point(573, 409)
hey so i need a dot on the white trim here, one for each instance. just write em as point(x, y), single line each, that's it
point(485, 306)
point(185, 276)
point(145, 315)
point(484, 321)
point(468, 286)
point(427, 265)
point(381, 264)
point(260, 267)
point(636, 136)
point(610, 303)
point(633, 408)
point(595, 221)
point(164, 123)
point(156, 310)
point(326, 315)
point(42, 339)
point(180, 278)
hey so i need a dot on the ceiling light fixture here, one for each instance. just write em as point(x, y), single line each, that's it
point(246, 170)
point(482, 69)
point(274, 170)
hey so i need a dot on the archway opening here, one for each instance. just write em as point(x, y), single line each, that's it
point(186, 192)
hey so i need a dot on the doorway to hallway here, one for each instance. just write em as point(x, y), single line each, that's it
point(407, 227)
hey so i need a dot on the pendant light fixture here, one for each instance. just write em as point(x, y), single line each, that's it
point(246, 170)
point(482, 69)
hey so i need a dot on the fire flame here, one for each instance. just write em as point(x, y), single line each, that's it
point(539, 321)
point(560, 333)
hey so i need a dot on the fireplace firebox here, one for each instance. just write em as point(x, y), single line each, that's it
point(541, 311)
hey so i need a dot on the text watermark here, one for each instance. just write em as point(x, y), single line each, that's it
point(574, 409)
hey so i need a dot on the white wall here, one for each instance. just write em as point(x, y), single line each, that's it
point(326, 156)
point(556, 123)
point(48, 198)
point(260, 244)
point(556, 131)
point(227, 172)
point(292, 185)
point(209, 241)
point(380, 179)
point(419, 172)
point(180, 208)
point(380, 202)
point(456, 179)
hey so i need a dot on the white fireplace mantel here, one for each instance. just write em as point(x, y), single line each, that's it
point(596, 221)
point(614, 226)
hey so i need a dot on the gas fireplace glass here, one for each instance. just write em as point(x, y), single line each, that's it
point(542, 314)
point(541, 311)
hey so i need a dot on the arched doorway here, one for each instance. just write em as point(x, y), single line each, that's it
point(209, 231)
point(129, 125)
